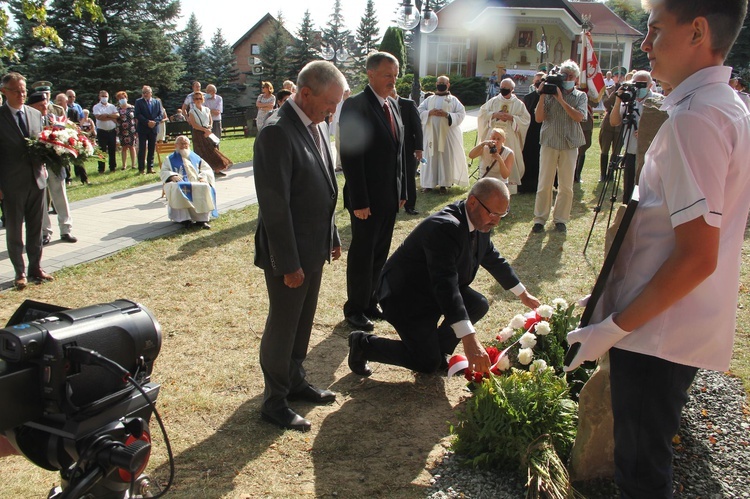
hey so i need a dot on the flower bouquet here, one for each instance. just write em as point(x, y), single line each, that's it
point(61, 145)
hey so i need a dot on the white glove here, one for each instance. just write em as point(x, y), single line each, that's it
point(595, 340)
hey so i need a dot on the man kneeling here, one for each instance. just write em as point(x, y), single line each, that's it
point(428, 277)
point(189, 186)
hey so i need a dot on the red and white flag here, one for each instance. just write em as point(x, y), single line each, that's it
point(591, 73)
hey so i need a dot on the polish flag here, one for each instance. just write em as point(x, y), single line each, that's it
point(591, 73)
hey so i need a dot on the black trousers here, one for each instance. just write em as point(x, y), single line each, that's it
point(628, 178)
point(424, 344)
point(283, 347)
point(410, 163)
point(107, 140)
point(146, 141)
point(368, 251)
point(648, 395)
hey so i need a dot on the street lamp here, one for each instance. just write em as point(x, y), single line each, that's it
point(408, 18)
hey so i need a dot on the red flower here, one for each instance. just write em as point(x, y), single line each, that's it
point(469, 375)
point(494, 353)
point(478, 377)
point(531, 321)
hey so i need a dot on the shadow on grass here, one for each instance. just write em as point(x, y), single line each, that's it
point(214, 240)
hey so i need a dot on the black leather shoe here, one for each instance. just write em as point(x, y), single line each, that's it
point(69, 238)
point(46, 240)
point(360, 321)
point(313, 394)
point(203, 225)
point(287, 419)
point(357, 361)
point(411, 211)
point(374, 314)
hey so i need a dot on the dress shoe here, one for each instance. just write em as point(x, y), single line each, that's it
point(20, 281)
point(313, 394)
point(411, 211)
point(360, 321)
point(287, 419)
point(375, 314)
point(202, 225)
point(150, 171)
point(560, 227)
point(46, 240)
point(357, 360)
point(537, 228)
point(41, 276)
point(443, 190)
point(69, 238)
point(219, 174)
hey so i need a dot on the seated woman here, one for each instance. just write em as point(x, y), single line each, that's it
point(496, 159)
point(188, 186)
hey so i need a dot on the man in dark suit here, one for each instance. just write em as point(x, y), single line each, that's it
point(296, 235)
point(531, 144)
point(371, 156)
point(413, 139)
point(148, 114)
point(429, 277)
point(22, 181)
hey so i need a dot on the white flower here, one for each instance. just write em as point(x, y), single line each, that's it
point(545, 311)
point(503, 363)
point(542, 328)
point(517, 322)
point(525, 356)
point(560, 303)
point(538, 365)
point(505, 334)
point(528, 340)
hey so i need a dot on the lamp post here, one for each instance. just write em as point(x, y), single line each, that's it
point(407, 18)
point(330, 52)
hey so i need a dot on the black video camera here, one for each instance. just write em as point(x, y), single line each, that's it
point(552, 81)
point(628, 91)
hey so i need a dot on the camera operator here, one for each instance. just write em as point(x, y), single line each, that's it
point(630, 138)
point(560, 115)
point(496, 159)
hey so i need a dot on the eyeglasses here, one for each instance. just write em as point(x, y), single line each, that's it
point(492, 214)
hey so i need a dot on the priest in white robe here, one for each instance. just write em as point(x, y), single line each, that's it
point(189, 186)
point(508, 112)
point(442, 115)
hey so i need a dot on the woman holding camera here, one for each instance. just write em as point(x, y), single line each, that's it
point(496, 159)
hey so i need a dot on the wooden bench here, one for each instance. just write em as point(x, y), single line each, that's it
point(234, 126)
point(177, 128)
point(163, 148)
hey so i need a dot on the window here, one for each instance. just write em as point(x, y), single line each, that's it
point(447, 55)
point(255, 49)
point(609, 54)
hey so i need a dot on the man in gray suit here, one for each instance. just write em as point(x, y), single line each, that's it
point(296, 235)
point(22, 180)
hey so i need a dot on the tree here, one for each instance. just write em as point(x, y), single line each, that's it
point(36, 12)
point(393, 43)
point(739, 56)
point(334, 34)
point(190, 50)
point(368, 33)
point(634, 15)
point(273, 53)
point(129, 50)
point(303, 50)
point(221, 64)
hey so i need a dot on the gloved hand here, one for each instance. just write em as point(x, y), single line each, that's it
point(595, 340)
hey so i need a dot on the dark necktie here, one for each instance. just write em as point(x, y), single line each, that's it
point(22, 124)
point(316, 137)
point(474, 238)
point(389, 117)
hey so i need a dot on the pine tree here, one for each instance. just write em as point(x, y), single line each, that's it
point(334, 34)
point(368, 34)
point(739, 56)
point(303, 50)
point(393, 43)
point(221, 67)
point(273, 53)
point(190, 49)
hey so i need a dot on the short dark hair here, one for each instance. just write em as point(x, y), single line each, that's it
point(724, 18)
point(374, 60)
point(282, 93)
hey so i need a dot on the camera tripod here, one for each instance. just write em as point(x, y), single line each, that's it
point(615, 167)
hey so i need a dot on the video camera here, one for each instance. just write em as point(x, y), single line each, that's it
point(628, 91)
point(69, 404)
point(552, 81)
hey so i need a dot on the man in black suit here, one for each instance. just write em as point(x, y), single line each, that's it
point(22, 180)
point(531, 144)
point(429, 277)
point(371, 156)
point(148, 114)
point(413, 139)
point(296, 235)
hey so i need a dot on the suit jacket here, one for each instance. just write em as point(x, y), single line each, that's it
point(143, 114)
point(296, 194)
point(413, 136)
point(18, 170)
point(436, 260)
point(370, 156)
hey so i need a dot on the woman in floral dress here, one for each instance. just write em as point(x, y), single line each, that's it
point(126, 133)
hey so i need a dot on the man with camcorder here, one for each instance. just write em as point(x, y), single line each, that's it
point(560, 111)
point(629, 102)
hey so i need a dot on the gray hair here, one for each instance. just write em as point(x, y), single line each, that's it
point(319, 75)
point(570, 67)
point(509, 80)
point(487, 187)
point(374, 60)
point(641, 74)
point(12, 77)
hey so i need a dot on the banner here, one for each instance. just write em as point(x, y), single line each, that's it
point(591, 80)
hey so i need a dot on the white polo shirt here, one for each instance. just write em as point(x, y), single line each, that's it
point(697, 166)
